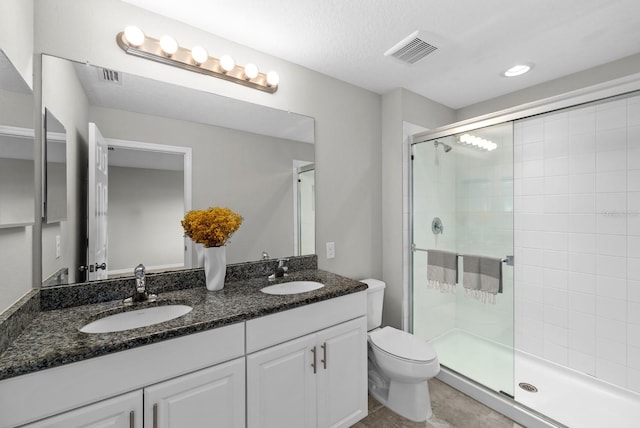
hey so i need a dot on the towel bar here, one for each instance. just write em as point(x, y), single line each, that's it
point(508, 260)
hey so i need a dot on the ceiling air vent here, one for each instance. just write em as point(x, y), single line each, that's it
point(109, 76)
point(412, 49)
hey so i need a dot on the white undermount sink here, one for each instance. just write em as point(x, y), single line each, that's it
point(135, 319)
point(292, 287)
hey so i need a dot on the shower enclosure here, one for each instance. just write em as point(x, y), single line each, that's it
point(556, 195)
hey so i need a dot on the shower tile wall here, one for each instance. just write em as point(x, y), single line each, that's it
point(577, 239)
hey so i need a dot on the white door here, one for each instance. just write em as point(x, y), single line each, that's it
point(211, 398)
point(98, 201)
point(281, 385)
point(342, 376)
point(124, 411)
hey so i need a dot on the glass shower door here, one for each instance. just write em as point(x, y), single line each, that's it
point(462, 202)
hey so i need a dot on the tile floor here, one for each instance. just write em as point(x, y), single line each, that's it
point(451, 409)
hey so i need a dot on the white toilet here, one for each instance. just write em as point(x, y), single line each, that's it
point(399, 362)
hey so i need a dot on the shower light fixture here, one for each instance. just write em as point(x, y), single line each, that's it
point(481, 143)
point(167, 51)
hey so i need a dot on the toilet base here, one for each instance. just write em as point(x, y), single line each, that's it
point(409, 400)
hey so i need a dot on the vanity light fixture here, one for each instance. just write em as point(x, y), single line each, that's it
point(167, 51)
point(481, 143)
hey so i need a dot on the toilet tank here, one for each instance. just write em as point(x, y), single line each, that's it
point(375, 298)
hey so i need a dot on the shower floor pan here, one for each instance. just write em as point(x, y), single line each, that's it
point(569, 397)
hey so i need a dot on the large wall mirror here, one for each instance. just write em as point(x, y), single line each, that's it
point(166, 149)
point(17, 188)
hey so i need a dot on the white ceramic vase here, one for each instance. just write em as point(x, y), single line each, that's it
point(215, 267)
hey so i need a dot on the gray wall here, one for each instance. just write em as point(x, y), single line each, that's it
point(347, 153)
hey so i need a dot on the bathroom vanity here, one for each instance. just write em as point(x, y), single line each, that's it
point(240, 358)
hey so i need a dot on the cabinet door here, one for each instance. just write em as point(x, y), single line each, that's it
point(281, 385)
point(212, 397)
point(342, 374)
point(124, 411)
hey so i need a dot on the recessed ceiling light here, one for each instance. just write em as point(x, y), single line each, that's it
point(517, 70)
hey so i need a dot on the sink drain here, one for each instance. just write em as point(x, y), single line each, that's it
point(528, 387)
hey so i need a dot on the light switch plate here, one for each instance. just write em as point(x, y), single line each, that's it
point(58, 247)
point(331, 250)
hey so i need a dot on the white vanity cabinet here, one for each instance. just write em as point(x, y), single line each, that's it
point(316, 380)
point(197, 363)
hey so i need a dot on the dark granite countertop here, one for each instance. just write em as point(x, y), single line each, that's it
point(53, 338)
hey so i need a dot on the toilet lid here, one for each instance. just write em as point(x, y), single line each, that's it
point(402, 344)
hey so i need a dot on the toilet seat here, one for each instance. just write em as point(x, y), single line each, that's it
point(402, 345)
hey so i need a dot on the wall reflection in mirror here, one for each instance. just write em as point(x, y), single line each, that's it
point(168, 149)
point(17, 204)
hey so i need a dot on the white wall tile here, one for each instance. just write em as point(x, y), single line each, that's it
point(633, 290)
point(608, 286)
point(582, 302)
point(582, 143)
point(582, 323)
point(583, 163)
point(610, 330)
point(582, 282)
point(582, 203)
point(582, 223)
point(556, 353)
point(556, 166)
point(582, 120)
point(633, 334)
point(582, 242)
point(633, 137)
point(533, 168)
point(583, 341)
point(611, 245)
point(582, 362)
point(611, 115)
point(582, 183)
point(533, 186)
point(633, 313)
point(612, 181)
point(556, 185)
point(613, 140)
point(633, 379)
point(633, 357)
point(583, 263)
point(615, 309)
point(611, 160)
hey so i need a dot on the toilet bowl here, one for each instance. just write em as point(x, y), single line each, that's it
point(399, 363)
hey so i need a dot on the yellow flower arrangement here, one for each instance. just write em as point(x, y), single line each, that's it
point(211, 227)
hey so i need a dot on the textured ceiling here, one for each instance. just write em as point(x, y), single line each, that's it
point(476, 40)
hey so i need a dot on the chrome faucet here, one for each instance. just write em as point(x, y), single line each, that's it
point(281, 270)
point(141, 294)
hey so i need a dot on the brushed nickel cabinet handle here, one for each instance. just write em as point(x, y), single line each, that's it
point(324, 355)
point(131, 419)
point(155, 415)
point(313, 350)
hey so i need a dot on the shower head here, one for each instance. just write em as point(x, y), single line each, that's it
point(447, 148)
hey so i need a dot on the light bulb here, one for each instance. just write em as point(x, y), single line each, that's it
point(517, 70)
point(250, 71)
point(199, 54)
point(227, 63)
point(168, 45)
point(272, 78)
point(133, 35)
